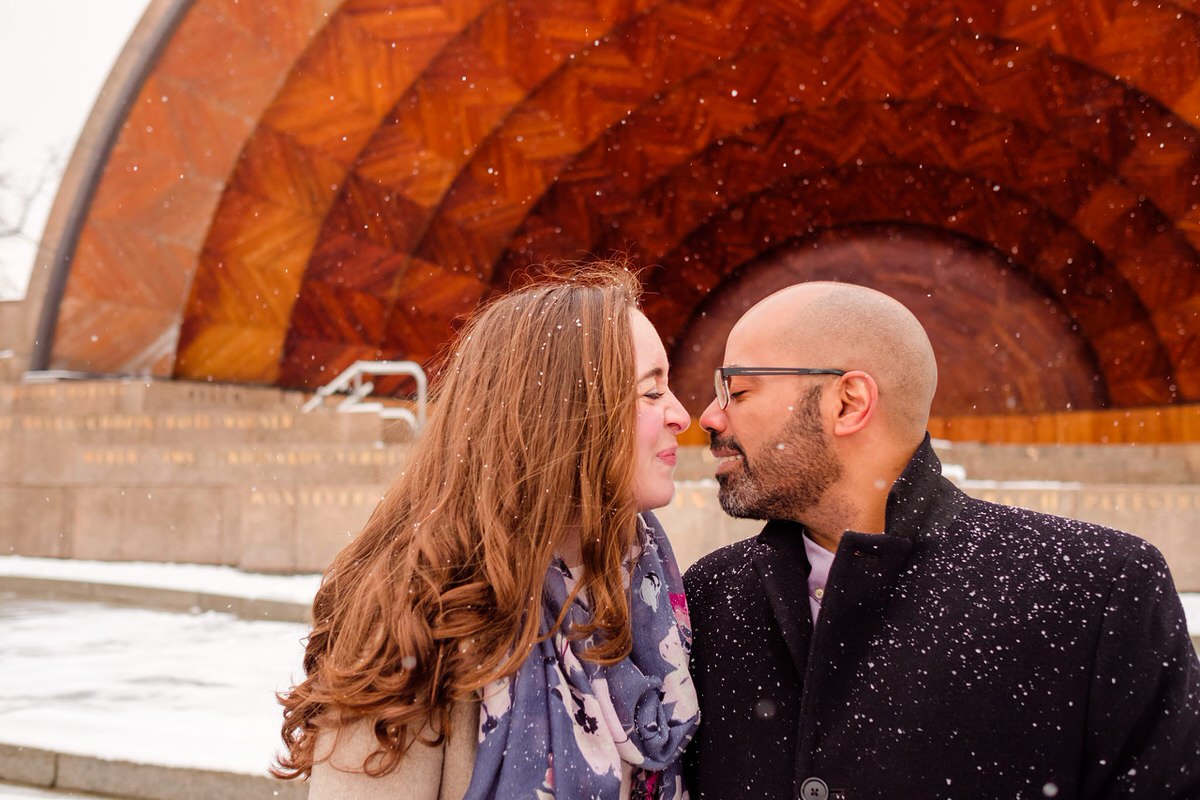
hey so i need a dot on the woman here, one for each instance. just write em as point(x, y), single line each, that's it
point(508, 624)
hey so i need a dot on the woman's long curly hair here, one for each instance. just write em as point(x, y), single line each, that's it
point(530, 443)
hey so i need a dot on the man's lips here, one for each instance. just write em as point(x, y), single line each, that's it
point(725, 454)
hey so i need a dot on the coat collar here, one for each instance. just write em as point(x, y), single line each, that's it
point(921, 502)
point(782, 564)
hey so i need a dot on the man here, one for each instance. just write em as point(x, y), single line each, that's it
point(886, 636)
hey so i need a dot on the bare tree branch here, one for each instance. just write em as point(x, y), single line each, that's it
point(25, 197)
point(19, 200)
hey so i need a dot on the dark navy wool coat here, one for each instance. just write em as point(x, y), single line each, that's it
point(972, 651)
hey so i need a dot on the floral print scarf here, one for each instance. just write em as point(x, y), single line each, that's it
point(565, 727)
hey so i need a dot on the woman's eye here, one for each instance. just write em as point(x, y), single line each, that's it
point(654, 394)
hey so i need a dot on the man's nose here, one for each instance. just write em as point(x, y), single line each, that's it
point(713, 419)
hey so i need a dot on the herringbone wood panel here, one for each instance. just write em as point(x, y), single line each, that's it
point(304, 183)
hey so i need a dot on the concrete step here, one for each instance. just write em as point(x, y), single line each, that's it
point(71, 772)
point(206, 424)
point(141, 702)
point(268, 527)
point(1101, 464)
point(56, 461)
point(20, 791)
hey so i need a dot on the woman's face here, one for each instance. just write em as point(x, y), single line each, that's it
point(660, 418)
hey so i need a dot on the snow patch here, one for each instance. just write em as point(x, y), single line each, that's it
point(182, 577)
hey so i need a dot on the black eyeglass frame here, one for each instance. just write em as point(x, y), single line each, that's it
point(721, 376)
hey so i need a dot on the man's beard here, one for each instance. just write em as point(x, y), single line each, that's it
point(787, 476)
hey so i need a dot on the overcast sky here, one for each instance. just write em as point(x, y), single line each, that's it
point(54, 58)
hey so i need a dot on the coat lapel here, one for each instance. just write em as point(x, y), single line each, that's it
point(783, 567)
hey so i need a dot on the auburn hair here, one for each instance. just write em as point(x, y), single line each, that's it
point(530, 441)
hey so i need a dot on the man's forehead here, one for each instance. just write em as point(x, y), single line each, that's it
point(753, 340)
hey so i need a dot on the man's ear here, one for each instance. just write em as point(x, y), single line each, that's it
point(858, 396)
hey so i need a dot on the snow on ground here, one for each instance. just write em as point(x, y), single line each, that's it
point(187, 690)
point(1191, 609)
point(10, 791)
point(229, 581)
point(182, 577)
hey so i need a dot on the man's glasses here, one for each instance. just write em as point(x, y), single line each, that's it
point(722, 375)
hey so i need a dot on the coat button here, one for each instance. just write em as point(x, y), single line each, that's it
point(814, 789)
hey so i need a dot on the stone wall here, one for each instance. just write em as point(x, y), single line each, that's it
point(173, 471)
point(1152, 491)
point(16, 326)
point(137, 470)
point(1171, 464)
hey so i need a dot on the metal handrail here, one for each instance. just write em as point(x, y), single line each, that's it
point(350, 380)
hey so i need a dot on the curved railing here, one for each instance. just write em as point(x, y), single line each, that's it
point(351, 381)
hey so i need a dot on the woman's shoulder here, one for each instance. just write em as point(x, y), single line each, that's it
point(442, 772)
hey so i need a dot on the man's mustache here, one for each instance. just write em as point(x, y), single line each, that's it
point(717, 443)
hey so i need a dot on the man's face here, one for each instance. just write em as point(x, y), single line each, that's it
point(775, 457)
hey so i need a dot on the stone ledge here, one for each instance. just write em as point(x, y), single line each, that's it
point(160, 599)
point(203, 424)
point(28, 765)
point(67, 771)
point(136, 395)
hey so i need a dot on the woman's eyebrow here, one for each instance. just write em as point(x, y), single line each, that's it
point(657, 372)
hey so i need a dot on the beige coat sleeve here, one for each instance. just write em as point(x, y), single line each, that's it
point(425, 773)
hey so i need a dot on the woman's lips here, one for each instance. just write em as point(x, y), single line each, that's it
point(668, 455)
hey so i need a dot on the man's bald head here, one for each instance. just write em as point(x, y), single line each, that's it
point(844, 326)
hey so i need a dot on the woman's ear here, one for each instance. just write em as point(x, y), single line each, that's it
point(857, 395)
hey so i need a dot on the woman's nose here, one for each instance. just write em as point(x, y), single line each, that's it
point(677, 417)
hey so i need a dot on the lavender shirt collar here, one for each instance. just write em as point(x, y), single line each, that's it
point(821, 560)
